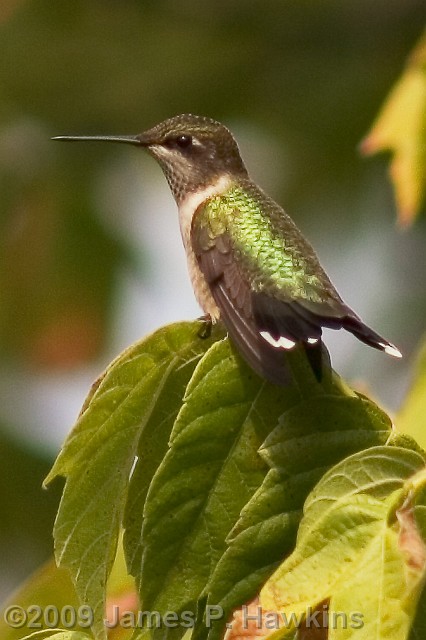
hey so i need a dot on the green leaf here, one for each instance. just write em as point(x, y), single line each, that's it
point(312, 436)
point(210, 472)
point(153, 445)
point(418, 629)
point(412, 416)
point(99, 453)
point(350, 548)
point(378, 472)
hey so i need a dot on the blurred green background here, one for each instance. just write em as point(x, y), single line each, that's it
point(91, 256)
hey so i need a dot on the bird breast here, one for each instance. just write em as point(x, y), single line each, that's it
point(187, 209)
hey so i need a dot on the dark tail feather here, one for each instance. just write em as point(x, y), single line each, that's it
point(314, 355)
point(266, 361)
point(370, 337)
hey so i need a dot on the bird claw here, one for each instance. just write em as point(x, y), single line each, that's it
point(206, 329)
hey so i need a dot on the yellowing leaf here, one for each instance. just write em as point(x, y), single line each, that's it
point(412, 416)
point(350, 549)
point(401, 128)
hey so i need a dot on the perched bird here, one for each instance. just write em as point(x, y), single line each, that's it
point(249, 264)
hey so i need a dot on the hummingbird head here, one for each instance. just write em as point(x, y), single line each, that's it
point(193, 151)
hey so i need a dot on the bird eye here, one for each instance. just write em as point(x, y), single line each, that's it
point(183, 141)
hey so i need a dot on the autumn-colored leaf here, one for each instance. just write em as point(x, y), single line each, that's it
point(401, 128)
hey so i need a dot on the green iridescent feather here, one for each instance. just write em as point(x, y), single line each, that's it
point(273, 256)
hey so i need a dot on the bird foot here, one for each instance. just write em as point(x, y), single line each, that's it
point(206, 329)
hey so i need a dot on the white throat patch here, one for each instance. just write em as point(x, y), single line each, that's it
point(190, 204)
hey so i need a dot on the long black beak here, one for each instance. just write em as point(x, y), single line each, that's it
point(136, 140)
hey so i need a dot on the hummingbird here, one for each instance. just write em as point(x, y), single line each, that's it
point(249, 264)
